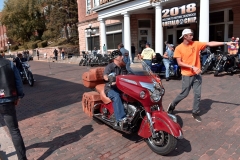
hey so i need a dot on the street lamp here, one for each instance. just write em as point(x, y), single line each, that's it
point(9, 44)
point(91, 31)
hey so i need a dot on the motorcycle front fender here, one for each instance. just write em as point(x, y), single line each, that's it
point(161, 122)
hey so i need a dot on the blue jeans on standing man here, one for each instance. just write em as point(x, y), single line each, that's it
point(166, 64)
point(114, 95)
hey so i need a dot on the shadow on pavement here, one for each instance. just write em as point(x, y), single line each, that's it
point(61, 141)
point(48, 94)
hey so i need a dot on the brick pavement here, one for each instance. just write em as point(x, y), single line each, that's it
point(54, 126)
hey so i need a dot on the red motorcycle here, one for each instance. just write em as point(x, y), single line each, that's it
point(142, 93)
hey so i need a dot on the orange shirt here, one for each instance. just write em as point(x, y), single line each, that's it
point(190, 54)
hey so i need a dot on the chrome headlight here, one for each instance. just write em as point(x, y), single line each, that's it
point(156, 95)
point(174, 118)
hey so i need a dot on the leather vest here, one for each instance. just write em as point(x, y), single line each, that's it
point(7, 80)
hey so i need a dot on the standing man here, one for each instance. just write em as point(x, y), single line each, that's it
point(133, 50)
point(11, 91)
point(188, 58)
point(55, 52)
point(104, 49)
point(38, 54)
point(148, 54)
point(125, 54)
point(167, 59)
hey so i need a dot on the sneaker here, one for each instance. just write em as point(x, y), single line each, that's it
point(197, 117)
point(170, 108)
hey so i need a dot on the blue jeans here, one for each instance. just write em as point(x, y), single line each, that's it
point(148, 62)
point(119, 112)
point(166, 64)
point(8, 112)
point(133, 55)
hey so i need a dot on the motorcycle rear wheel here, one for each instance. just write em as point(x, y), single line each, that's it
point(30, 79)
point(163, 144)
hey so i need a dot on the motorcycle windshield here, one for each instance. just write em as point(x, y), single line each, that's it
point(141, 69)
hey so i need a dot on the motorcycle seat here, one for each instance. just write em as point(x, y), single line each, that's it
point(100, 90)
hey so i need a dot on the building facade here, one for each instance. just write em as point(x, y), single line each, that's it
point(3, 37)
point(140, 21)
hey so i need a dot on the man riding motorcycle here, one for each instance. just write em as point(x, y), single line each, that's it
point(117, 67)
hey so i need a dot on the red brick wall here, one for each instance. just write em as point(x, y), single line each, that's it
point(3, 40)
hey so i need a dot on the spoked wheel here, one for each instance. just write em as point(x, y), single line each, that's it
point(163, 144)
point(30, 79)
point(205, 67)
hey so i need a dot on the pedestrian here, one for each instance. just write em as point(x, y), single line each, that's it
point(95, 51)
point(188, 58)
point(11, 91)
point(125, 54)
point(62, 54)
point(148, 54)
point(104, 49)
point(38, 54)
point(167, 59)
point(133, 50)
point(55, 52)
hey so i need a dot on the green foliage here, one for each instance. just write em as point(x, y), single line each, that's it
point(14, 47)
point(32, 45)
point(42, 44)
point(25, 46)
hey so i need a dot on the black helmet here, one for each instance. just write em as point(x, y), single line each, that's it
point(115, 54)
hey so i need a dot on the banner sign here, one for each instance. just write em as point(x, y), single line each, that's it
point(179, 15)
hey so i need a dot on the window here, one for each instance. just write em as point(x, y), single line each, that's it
point(144, 24)
point(230, 16)
point(230, 30)
point(88, 6)
point(113, 40)
point(95, 42)
point(96, 3)
point(216, 17)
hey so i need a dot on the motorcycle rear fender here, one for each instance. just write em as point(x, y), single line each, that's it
point(161, 122)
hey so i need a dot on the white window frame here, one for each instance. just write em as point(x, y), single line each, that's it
point(88, 8)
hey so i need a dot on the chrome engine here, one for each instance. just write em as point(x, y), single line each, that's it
point(130, 110)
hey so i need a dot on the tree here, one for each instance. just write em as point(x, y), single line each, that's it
point(22, 19)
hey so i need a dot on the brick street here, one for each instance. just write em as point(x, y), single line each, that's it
point(54, 127)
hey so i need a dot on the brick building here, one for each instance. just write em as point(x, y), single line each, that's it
point(138, 21)
point(3, 36)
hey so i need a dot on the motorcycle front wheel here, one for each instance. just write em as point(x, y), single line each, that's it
point(205, 67)
point(30, 79)
point(163, 144)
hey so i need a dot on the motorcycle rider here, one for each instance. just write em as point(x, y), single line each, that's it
point(18, 60)
point(168, 58)
point(188, 58)
point(11, 91)
point(110, 89)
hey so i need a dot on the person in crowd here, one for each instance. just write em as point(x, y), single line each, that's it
point(62, 53)
point(37, 54)
point(111, 90)
point(95, 51)
point(11, 91)
point(167, 59)
point(232, 48)
point(166, 45)
point(55, 52)
point(188, 58)
point(133, 50)
point(125, 54)
point(148, 54)
point(104, 49)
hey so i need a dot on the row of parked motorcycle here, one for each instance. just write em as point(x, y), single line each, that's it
point(94, 59)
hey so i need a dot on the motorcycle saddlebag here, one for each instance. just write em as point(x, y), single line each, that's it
point(89, 99)
point(93, 77)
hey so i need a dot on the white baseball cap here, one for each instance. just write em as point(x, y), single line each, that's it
point(186, 31)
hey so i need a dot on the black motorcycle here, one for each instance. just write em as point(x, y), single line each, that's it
point(225, 62)
point(210, 62)
point(25, 72)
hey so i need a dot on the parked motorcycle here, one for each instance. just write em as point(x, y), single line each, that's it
point(25, 73)
point(225, 63)
point(210, 62)
point(159, 67)
point(91, 60)
point(142, 93)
